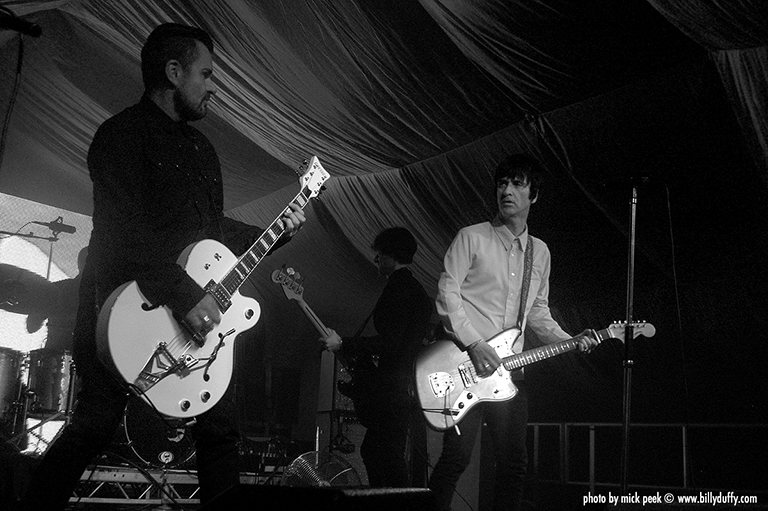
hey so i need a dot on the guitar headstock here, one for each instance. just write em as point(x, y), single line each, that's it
point(290, 280)
point(312, 175)
point(616, 330)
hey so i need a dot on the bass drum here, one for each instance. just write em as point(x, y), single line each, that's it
point(156, 441)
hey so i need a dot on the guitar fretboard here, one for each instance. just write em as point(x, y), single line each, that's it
point(253, 256)
point(519, 360)
point(527, 357)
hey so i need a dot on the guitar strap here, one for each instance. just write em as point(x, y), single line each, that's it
point(527, 270)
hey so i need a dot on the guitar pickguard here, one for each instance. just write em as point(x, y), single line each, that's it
point(447, 385)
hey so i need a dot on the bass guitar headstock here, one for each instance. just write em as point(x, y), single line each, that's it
point(290, 281)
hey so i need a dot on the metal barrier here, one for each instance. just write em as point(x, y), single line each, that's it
point(684, 454)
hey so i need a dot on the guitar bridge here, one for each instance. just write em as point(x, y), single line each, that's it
point(441, 384)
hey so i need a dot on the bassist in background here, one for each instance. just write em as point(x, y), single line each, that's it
point(384, 404)
point(157, 188)
point(486, 270)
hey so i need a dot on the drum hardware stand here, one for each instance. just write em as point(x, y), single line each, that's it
point(19, 405)
point(164, 488)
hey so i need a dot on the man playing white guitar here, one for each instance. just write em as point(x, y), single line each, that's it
point(157, 192)
point(496, 277)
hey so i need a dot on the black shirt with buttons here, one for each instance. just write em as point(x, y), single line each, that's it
point(156, 189)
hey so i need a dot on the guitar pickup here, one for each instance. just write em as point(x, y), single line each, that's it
point(222, 296)
point(441, 384)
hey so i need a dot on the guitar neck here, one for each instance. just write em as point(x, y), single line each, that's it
point(319, 326)
point(253, 256)
point(528, 357)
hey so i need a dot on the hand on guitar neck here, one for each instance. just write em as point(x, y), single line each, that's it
point(331, 341)
point(292, 284)
point(486, 359)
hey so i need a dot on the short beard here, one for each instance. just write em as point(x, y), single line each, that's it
point(184, 109)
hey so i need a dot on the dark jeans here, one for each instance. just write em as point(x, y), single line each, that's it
point(383, 453)
point(385, 448)
point(506, 422)
point(99, 411)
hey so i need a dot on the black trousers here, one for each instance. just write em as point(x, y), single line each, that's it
point(507, 423)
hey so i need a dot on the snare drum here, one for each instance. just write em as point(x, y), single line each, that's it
point(49, 380)
point(10, 380)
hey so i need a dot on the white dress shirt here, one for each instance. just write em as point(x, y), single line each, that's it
point(479, 289)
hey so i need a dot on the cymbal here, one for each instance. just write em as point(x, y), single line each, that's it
point(23, 291)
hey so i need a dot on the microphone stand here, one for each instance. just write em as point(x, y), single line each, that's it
point(54, 237)
point(629, 335)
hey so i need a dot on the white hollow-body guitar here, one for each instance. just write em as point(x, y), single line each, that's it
point(179, 372)
point(447, 385)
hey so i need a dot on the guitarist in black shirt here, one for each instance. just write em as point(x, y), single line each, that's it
point(382, 399)
point(157, 189)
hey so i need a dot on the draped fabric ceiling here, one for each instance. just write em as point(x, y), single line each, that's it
point(409, 105)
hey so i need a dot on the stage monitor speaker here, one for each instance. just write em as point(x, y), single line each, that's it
point(245, 497)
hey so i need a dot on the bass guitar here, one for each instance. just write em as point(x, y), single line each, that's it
point(447, 386)
point(180, 372)
point(355, 385)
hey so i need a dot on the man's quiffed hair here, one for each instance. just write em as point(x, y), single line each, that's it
point(523, 167)
point(396, 242)
point(169, 41)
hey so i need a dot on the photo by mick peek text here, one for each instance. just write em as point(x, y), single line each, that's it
point(710, 498)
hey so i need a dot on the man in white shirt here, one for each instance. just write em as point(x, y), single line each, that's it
point(479, 295)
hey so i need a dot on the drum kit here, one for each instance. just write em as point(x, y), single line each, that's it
point(37, 392)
